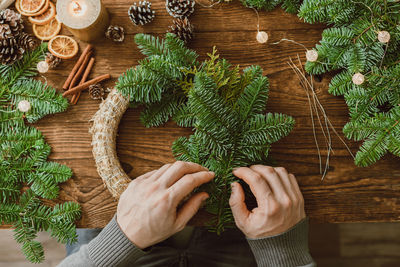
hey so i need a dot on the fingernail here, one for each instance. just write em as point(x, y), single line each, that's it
point(204, 198)
point(212, 173)
point(235, 169)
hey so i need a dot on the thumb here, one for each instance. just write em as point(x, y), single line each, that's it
point(190, 208)
point(238, 206)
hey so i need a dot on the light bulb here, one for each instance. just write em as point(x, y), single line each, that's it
point(312, 55)
point(262, 37)
point(384, 37)
point(358, 78)
point(42, 67)
point(24, 106)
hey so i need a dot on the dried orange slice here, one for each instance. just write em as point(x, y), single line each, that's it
point(63, 46)
point(45, 17)
point(47, 31)
point(31, 6)
point(41, 11)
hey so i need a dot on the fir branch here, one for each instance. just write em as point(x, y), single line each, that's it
point(23, 155)
point(24, 68)
point(150, 45)
point(44, 100)
point(9, 191)
point(158, 113)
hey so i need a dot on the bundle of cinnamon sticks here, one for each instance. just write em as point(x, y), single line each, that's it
point(77, 79)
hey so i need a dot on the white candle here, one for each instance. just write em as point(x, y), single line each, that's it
point(87, 20)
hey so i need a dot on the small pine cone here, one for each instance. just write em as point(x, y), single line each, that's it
point(10, 51)
point(180, 8)
point(52, 60)
point(96, 91)
point(10, 24)
point(183, 29)
point(115, 33)
point(141, 14)
point(26, 41)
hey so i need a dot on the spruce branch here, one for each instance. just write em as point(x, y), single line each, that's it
point(23, 159)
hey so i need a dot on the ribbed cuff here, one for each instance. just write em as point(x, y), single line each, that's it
point(284, 250)
point(112, 248)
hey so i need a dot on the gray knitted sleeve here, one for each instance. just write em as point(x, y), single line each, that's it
point(288, 249)
point(110, 248)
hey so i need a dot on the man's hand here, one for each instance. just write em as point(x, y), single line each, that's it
point(147, 210)
point(279, 200)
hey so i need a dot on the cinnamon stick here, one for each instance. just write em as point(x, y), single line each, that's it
point(78, 74)
point(85, 85)
point(85, 75)
point(76, 67)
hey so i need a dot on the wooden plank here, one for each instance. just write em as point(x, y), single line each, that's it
point(348, 194)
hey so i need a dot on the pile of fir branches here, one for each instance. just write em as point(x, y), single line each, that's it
point(26, 177)
point(357, 46)
point(362, 46)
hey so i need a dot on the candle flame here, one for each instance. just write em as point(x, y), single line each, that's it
point(76, 7)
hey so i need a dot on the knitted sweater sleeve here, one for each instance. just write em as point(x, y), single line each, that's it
point(288, 249)
point(110, 248)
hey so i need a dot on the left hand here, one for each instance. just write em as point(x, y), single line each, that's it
point(147, 210)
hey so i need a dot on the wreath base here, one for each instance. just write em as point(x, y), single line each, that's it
point(104, 131)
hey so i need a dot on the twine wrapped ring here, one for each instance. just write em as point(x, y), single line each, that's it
point(104, 131)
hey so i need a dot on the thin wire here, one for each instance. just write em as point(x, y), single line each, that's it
point(258, 19)
point(384, 54)
point(41, 75)
point(292, 41)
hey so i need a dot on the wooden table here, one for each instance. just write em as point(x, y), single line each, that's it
point(348, 193)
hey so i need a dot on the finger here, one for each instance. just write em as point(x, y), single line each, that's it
point(146, 175)
point(238, 206)
point(156, 175)
point(189, 209)
point(178, 170)
point(258, 185)
point(287, 184)
point(296, 188)
point(273, 179)
point(188, 183)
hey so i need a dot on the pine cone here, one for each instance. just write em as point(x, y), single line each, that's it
point(10, 24)
point(180, 8)
point(26, 41)
point(10, 51)
point(141, 14)
point(183, 29)
point(52, 60)
point(115, 33)
point(96, 91)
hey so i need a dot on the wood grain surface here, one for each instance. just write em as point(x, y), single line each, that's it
point(348, 193)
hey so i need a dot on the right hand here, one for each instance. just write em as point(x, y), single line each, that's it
point(147, 210)
point(280, 202)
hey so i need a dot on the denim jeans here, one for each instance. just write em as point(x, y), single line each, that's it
point(194, 247)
